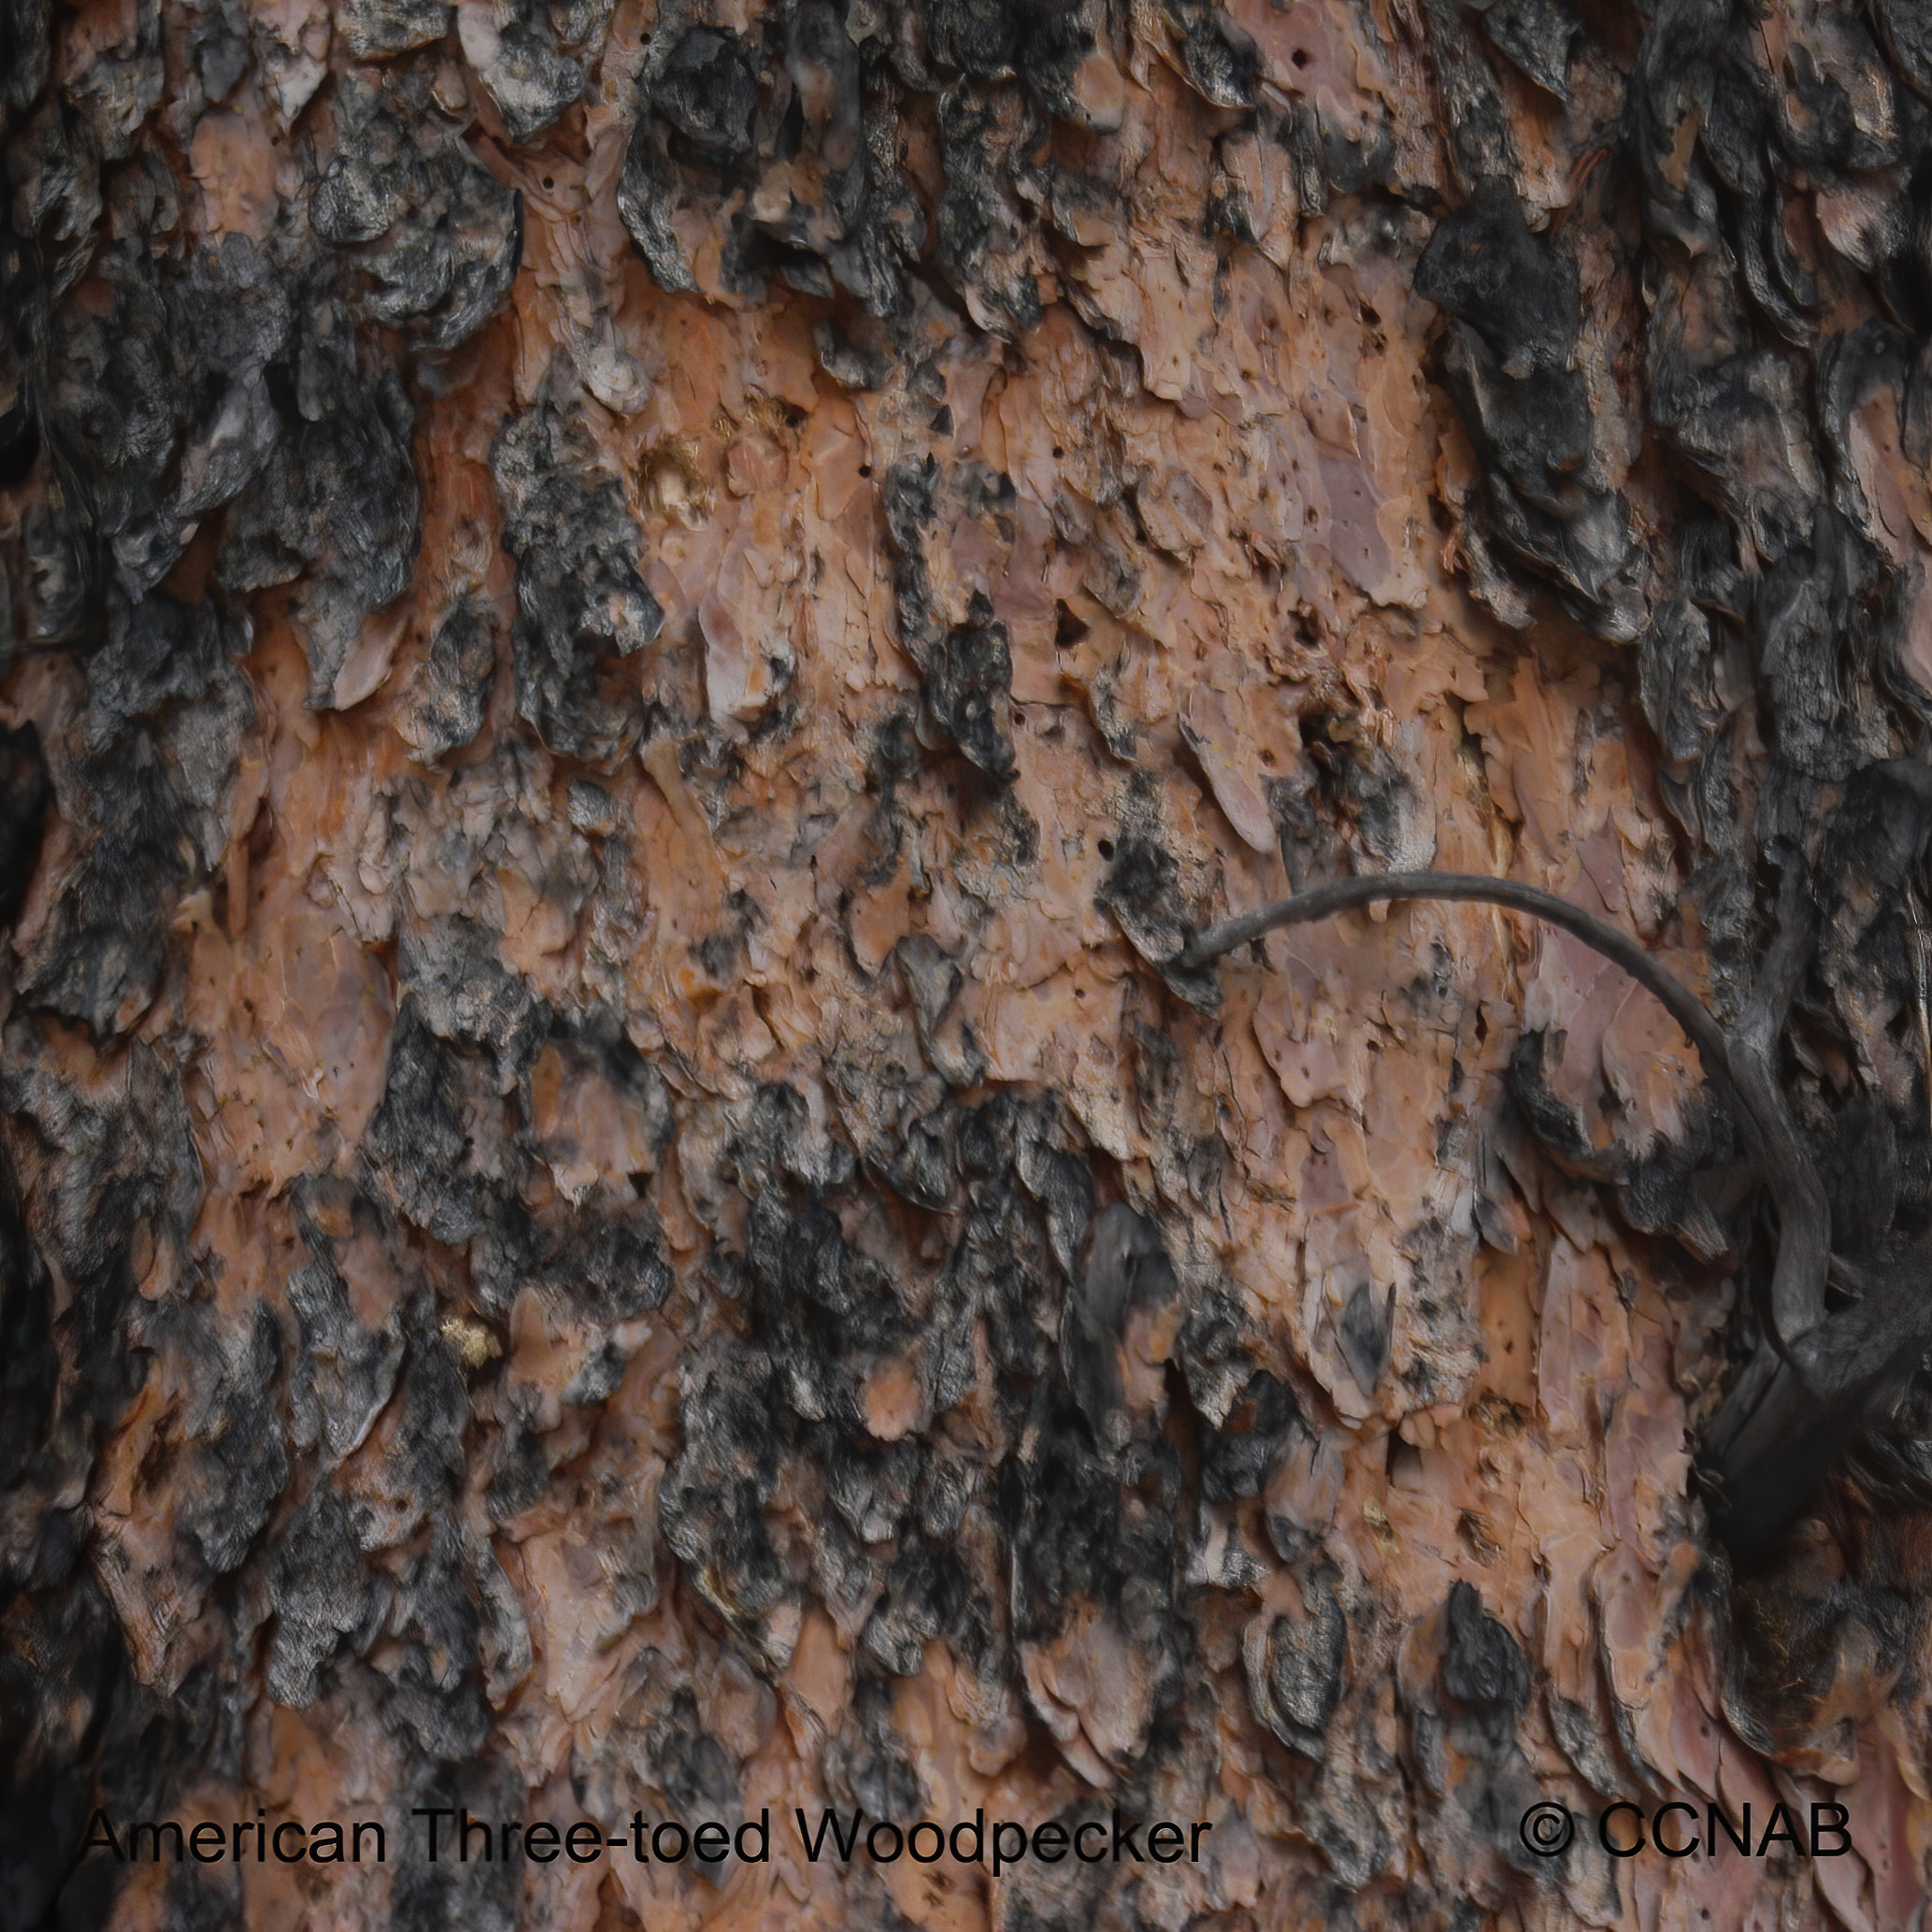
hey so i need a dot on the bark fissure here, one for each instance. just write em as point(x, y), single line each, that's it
point(665, 1149)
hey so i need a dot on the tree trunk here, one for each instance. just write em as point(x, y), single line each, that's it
point(638, 641)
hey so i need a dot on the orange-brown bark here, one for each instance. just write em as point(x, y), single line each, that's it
point(647, 633)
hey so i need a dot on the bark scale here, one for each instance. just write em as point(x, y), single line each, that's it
point(636, 640)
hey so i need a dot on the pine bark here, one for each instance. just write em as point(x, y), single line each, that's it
point(636, 640)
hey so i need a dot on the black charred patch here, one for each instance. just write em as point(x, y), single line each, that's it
point(1510, 357)
point(706, 91)
point(579, 599)
point(968, 690)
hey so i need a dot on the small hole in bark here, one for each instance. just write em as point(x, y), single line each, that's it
point(1300, 56)
point(1107, 847)
point(865, 469)
point(640, 1186)
point(1067, 629)
point(549, 182)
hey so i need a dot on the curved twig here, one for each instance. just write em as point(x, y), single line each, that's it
point(1348, 895)
point(1797, 1295)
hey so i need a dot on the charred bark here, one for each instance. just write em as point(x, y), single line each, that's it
point(826, 831)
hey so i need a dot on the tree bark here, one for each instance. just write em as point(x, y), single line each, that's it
point(640, 643)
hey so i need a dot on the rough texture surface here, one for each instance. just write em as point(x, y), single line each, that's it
point(633, 639)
